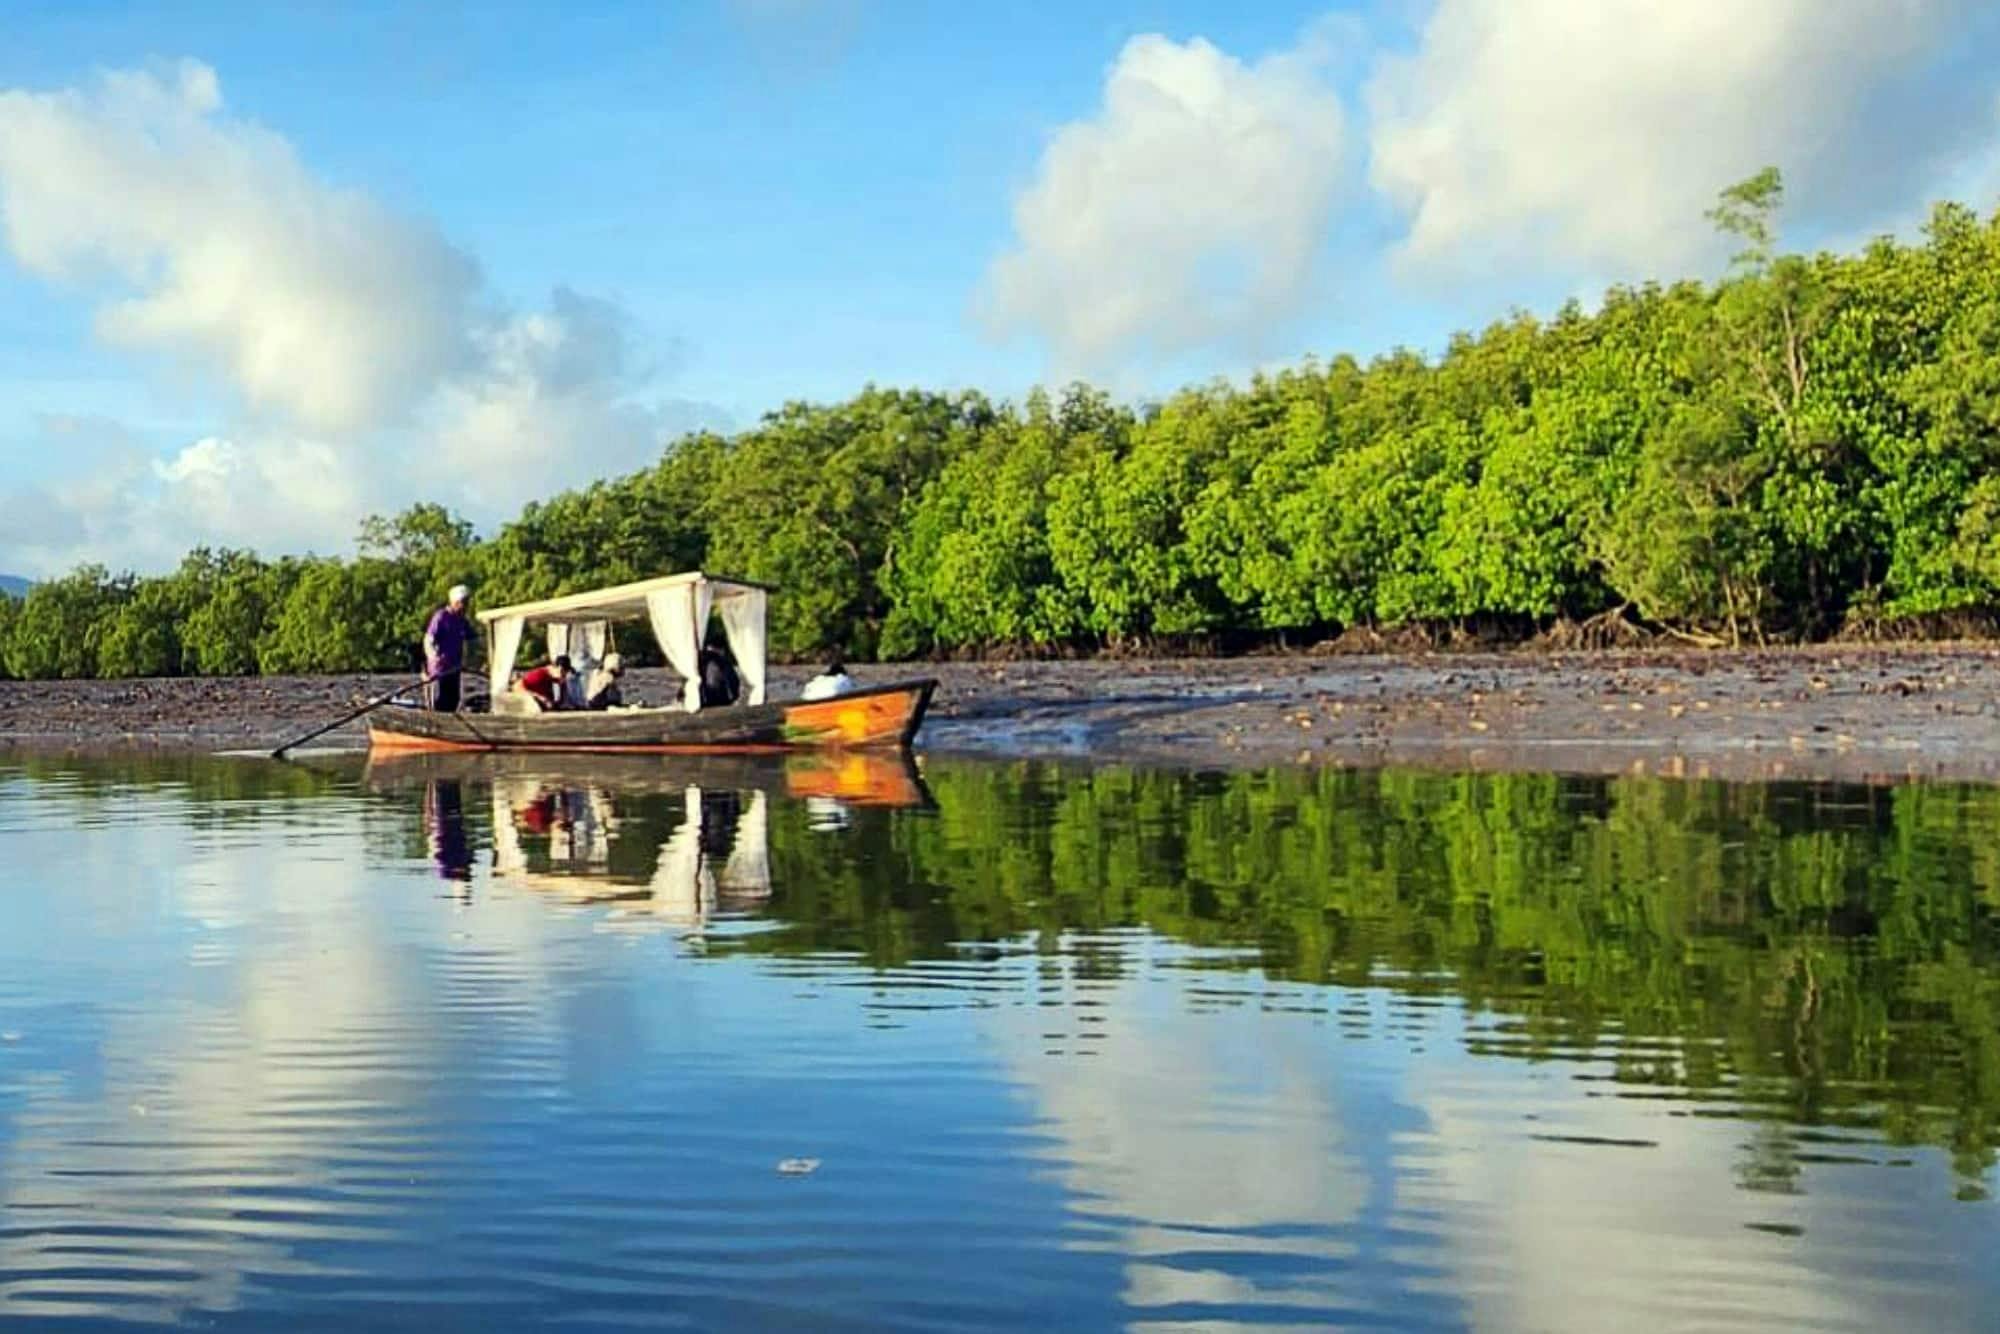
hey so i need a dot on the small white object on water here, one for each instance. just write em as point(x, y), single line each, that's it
point(10, 1036)
point(798, 1167)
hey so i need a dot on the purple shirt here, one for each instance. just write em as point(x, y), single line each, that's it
point(447, 633)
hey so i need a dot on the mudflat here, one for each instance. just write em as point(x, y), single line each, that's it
point(1829, 712)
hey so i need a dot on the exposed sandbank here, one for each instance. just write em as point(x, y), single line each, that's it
point(1869, 713)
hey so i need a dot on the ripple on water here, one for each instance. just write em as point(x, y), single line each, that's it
point(1078, 1048)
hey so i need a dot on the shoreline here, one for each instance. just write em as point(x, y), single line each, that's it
point(1824, 712)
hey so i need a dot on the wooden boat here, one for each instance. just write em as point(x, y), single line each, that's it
point(677, 608)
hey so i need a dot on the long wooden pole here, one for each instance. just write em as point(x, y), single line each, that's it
point(372, 704)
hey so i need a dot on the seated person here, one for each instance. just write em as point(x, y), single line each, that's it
point(601, 690)
point(833, 681)
point(545, 684)
point(720, 683)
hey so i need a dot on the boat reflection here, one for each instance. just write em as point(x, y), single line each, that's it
point(668, 838)
point(444, 826)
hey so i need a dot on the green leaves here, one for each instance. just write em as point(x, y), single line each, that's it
point(1813, 436)
point(57, 628)
point(1748, 210)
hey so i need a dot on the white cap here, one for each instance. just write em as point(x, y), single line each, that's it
point(613, 663)
point(459, 593)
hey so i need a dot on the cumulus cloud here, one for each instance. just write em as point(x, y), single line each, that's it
point(134, 509)
point(546, 408)
point(367, 366)
point(1594, 135)
point(219, 485)
point(219, 246)
point(1188, 211)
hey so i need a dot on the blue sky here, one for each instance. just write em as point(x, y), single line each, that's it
point(265, 272)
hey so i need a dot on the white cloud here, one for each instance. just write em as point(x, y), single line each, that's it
point(218, 485)
point(1149, 1135)
point(368, 368)
point(1188, 211)
point(134, 510)
point(547, 408)
point(219, 246)
point(1593, 136)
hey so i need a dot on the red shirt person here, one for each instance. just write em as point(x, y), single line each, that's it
point(545, 684)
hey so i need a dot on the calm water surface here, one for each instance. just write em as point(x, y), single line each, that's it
point(479, 1045)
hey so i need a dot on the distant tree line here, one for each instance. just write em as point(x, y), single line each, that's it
point(1803, 449)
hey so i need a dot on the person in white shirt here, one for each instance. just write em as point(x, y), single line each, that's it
point(833, 681)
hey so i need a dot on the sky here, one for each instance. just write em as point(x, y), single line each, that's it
point(266, 270)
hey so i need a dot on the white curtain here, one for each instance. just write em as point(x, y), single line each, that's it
point(584, 835)
point(683, 886)
point(748, 871)
point(743, 617)
point(587, 648)
point(583, 643)
point(506, 646)
point(558, 633)
point(508, 857)
point(680, 621)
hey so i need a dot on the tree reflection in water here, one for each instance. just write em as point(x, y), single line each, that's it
point(1820, 956)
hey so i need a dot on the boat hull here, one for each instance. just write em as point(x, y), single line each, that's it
point(882, 716)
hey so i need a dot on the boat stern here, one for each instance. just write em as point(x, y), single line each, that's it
point(882, 716)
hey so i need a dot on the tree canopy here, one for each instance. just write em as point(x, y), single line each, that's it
point(1805, 446)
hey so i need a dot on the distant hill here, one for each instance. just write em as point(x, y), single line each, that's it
point(13, 585)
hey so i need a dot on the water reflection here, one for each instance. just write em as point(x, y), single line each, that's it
point(521, 1040)
point(674, 839)
point(444, 822)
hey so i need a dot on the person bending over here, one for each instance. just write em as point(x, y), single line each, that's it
point(545, 684)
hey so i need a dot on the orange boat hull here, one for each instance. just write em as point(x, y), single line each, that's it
point(882, 716)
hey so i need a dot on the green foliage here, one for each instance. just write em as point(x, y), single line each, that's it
point(971, 564)
point(613, 532)
point(810, 499)
point(240, 596)
point(60, 624)
point(343, 616)
point(1811, 439)
point(142, 637)
point(420, 533)
point(1748, 210)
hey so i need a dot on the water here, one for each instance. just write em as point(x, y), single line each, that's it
point(477, 1045)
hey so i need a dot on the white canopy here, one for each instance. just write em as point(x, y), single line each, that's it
point(676, 605)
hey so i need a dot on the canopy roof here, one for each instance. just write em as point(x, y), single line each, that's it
point(677, 606)
point(621, 602)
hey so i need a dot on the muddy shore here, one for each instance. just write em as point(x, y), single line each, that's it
point(1874, 714)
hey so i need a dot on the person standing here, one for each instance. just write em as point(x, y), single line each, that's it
point(445, 639)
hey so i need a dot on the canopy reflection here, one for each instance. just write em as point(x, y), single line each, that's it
point(673, 838)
